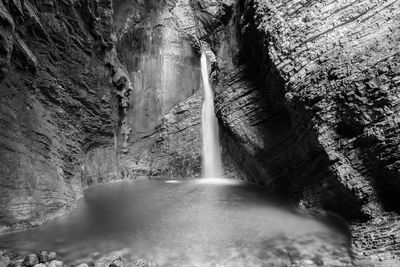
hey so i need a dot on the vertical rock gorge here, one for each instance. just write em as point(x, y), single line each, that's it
point(306, 93)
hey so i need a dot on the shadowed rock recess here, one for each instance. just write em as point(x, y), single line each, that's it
point(307, 94)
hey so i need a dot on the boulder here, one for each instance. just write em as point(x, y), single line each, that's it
point(144, 263)
point(17, 263)
point(55, 263)
point(117, 263)
point(107, 261)
point(43, 256)
point(318, 259)
point(52, 256)
point(30, 260)
point(4, 261)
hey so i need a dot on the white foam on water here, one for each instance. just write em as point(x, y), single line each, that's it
point(172, 181)
point(218, 181)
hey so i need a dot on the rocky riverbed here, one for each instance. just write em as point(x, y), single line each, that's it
point(49, 259)
point(285, 253)
point(278, 252)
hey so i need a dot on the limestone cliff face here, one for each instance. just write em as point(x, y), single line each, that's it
point(160, 61)
point(307, 95)
point(91, 92)
point(57, 101)
point(164, 69)
point(173, 150)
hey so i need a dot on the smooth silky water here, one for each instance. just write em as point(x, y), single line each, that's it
point(206, 222)
point(212, 165)
point(191, 223)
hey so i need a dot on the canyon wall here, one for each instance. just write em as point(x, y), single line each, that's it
point(307, 95)
point(56, 102)
point(164, 69)
point(92, 92)
point(173, 151)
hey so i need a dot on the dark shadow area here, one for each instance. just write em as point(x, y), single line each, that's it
point(380, 156)
point(290, 160)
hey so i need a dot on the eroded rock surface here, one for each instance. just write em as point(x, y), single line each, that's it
point(173, 150)
point(56, 102)
point(160, 60)
point(307, 96)
point(82, 95)
point(157, 58)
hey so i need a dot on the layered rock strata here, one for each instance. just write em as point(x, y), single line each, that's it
point(57, 101)
point(164, 69)
point(307, 96)
point(173, 150)
point(87, 90)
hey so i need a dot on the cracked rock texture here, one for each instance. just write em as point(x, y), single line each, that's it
point(307, 95)
point(92, 92)
point(160, 61)
point(306, 92)
point(173, 151)
point(164, 69)
point(57, 101)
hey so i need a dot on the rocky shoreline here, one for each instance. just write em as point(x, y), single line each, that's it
point(276, 252)
point(293, 258)
point(49, 259)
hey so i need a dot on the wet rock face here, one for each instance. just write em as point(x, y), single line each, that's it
point(81, 94)
point(307, 97)
point(56, 101)
point(160, 60)
point(157, 55)
point(173, 151)
point(350, 96)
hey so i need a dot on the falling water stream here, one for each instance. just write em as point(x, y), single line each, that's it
point(212, 166)
point(204, 222)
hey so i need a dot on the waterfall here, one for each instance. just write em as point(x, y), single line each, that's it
point(212, 166)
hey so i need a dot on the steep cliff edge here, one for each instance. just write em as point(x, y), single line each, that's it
point(164, 69)
point(307, 94)
point(87, 88)
point(57, 101)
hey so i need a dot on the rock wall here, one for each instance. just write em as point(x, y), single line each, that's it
point(88, 88)
point(158, 57)
point(160, 61)
point(57, 101)
point(173, 150)
point(307, 95)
